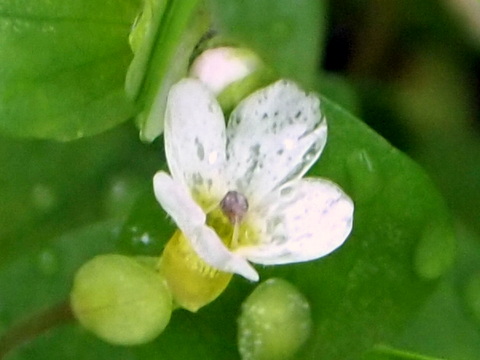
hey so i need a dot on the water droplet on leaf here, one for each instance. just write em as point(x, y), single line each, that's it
point(48, 261)
point(44, 198)
point(281, 29)
point(472, 296)
point(435, 251)
point(147, 228)
point(121, 194)
point(364, 176)
point(275, 322)
point(140, 241)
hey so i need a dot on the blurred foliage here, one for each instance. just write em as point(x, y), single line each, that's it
point(290, 38)
point(162, 44)
point(408, 68)
point(63, 67)
point(414, 65)
point(48, 187)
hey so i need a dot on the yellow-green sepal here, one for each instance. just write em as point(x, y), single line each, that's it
point(193, 283)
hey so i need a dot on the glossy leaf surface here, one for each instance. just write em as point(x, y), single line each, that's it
point(372, 279)
point(63, 66)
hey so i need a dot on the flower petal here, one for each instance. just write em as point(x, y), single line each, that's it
point(273, 136)
point(177, 202)
point(304, 220)
point(195, 139)
point(211, 249)
point(190, 219)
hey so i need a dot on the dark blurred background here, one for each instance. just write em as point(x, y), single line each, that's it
point(411, 70)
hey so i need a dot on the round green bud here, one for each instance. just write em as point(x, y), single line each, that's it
point(220, 67)
point(121, 300)
point(275, 322)
point(231, 74)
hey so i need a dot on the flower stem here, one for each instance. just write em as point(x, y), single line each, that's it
point(34, 326)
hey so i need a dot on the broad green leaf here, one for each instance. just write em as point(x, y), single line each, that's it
point(35, 282)
point(48, 187)
point(401, 244)
point(448, 325)
point(144, 233)
point(63, 66)
point(289, 38)
point(373, 278)
point(361, 295)
point(188, 336)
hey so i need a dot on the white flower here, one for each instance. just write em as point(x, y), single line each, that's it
point(273, 137)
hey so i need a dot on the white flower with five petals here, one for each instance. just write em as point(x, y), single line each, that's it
point(252, 170)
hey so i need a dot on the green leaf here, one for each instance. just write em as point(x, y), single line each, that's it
point(448, 325)
point(144, 233)
point(50, 279)
point(289, 38)
point(388, 353)
point(49, 187)
point(373, 278)
point(35, 281)
point(163, 50)
point(361, 295)
point(401, 244)
point(63, 66)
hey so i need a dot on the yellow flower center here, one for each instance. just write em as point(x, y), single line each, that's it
point(193, 282)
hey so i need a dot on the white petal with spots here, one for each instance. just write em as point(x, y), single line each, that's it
point(273, 136)
point(272, 139)
point(303, 220)
point(177, 202)
point(190, 219)
point(195, 138)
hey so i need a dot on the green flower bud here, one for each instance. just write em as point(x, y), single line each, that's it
point(231, 73)
point(220, 67)
point(121, 300)
point(275, 322)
